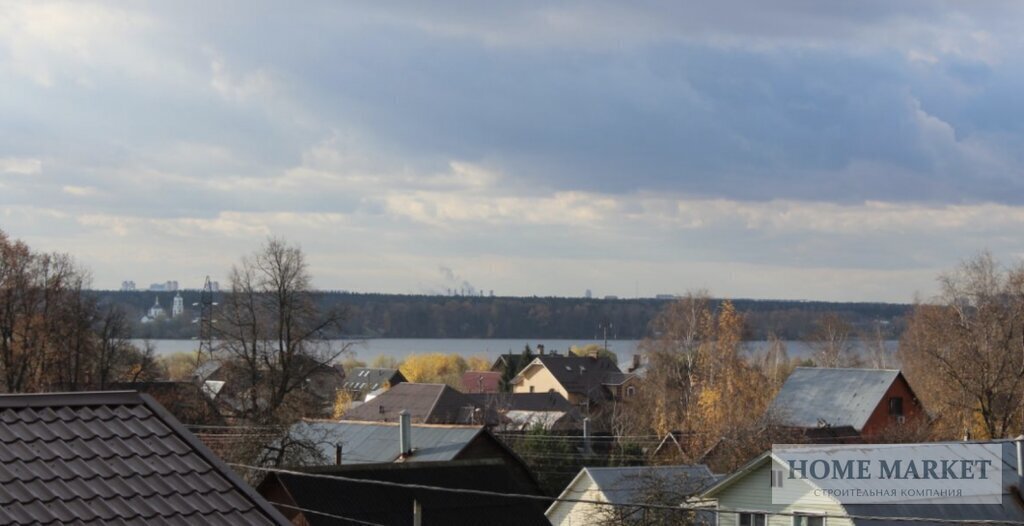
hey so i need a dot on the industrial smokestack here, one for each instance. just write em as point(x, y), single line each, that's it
point(405, 433)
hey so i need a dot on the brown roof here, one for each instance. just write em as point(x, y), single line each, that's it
point(426, 404)
point(481, 382)
point(113, 457)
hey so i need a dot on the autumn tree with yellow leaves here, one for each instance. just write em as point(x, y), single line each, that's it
point(698, 384)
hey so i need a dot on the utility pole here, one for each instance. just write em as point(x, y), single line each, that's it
point(604, 326)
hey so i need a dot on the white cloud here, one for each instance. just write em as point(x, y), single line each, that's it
point(79, 191)
point(20, 165)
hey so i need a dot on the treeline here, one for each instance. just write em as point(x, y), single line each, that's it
point(407, 316)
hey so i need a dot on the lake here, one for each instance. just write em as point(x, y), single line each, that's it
point(368, 350)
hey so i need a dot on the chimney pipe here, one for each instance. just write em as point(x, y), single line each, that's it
point(540, 348)
point(337, 454)
point(405, 433)
point(586, 436)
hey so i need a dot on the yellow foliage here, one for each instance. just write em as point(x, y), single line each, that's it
point(342, 401)
point(179, 365)
point(435, 368)
point(478, 363)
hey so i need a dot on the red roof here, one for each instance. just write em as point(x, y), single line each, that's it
point(481, 382)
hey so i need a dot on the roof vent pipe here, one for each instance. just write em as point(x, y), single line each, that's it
point(1020, 461)
point(405, 433)
point(337, 454)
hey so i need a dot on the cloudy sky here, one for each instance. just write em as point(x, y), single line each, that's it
point(788, 149)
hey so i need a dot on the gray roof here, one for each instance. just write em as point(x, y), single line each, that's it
point(370, 379)
point(814, 397)
point(364, 442)
point(551, 401)
point(1011, 509)
point(627, 484)
point(113, 458)
point(426, 404)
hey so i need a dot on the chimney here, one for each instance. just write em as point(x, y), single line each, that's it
point(404, 434)
point(636, 361)
point(337, 454)
point(540, 348)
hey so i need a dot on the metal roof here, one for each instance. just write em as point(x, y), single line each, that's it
point(816, 397)
point(370, 379)
point(364, 442)
point(113, 458)
point(627, 484)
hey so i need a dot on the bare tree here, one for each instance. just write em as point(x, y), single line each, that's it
point(964, 351)
point(832, 341)
point(273, 335)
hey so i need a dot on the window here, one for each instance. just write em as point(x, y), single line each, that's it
point(777, 476)
point(896, 406)
point(801, 519)
point(532, 388)
point(630, 391)
point(753, 519)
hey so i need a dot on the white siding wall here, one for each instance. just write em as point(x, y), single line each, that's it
point(575, 513)
point(754, 493)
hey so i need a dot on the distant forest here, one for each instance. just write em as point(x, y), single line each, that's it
point(406, 316)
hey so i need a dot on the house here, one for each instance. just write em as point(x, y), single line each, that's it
point(188, 402)
point(229, 383)
point(525, 411)
point(320, 443)
point(377, 504)
point(842, 404)
point(745, 498)
point(669, 485)
point(114, 457)
point(582, 380)
point(481, 382)
point(425, 403)
point(360, 381)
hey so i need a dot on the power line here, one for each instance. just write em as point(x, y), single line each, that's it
point(665, 507)
point(325, 514)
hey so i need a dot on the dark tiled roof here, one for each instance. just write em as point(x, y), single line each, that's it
point(370, 379)
point(113, 458)
point(524, 401)
point(580, 374)
point(393, 505)
point(378, 442)
point(426, 404)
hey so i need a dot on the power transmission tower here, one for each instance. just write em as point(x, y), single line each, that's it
point(205, 321)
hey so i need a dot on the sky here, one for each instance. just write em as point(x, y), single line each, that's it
point(847, 151)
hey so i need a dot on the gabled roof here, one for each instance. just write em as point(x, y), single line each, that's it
point(426, 404)
point(621, 485)
point(523, 401)
point(392, 505)
point(481, 382)
point(370, 379)
point(578, 374)
point(364, 442)
point(113, 457)
point(816, 397)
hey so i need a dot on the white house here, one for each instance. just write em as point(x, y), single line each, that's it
point(744, 498)
point(622, 485)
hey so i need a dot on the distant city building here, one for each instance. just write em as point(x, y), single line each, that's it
point(214, 286)
point(167, 286)
point(588, 294)
point(155, 312)
point(127, 286)
point(178, 307)
point(611, 297)
point(665, 297)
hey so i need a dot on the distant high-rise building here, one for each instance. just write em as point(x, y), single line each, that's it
point(178, 307)
point(214, 286)
point(588, 294)
point(127, 286)
point(167, 286)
